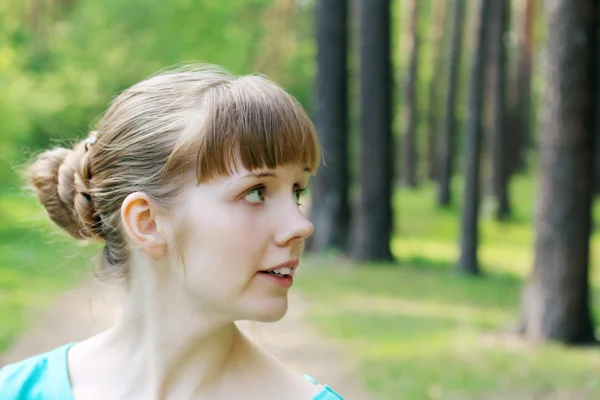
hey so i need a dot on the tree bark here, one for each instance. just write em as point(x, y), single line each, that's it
point(524, 135)
point(330, 210)
point(410, 151)
point(374, 228)
point(469, 234)
point(597, 126)
point(556, 303)
point(437, 31)
point(500, 133)
point(448, 136)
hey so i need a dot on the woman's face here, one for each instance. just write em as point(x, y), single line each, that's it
point(232, 229)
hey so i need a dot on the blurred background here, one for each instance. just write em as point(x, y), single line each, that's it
point(455, 255)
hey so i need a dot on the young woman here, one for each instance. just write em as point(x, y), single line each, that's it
point(192, 181)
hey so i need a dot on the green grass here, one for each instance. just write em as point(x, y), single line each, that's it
point(420, 331)
point(36, 262)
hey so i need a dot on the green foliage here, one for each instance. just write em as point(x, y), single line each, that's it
point(59, 70)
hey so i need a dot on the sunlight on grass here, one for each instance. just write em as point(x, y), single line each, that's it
point(421, 331)
point(433, 334)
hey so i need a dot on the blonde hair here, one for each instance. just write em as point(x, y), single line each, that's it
point(156, 131)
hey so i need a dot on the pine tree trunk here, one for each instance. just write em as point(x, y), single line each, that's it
point(410, 151)
point(500, 133)
point(523, 113)
point(438, 27)
point(556, 302)
point(330, 210)
point(374, 226)
point(469, 236)
point(448, 136)
point(597, 128)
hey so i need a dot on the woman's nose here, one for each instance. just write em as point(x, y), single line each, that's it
point(295, 228)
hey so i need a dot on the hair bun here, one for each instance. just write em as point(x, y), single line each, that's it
point(56, 176)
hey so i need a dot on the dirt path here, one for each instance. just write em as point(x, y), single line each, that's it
point(90, 308)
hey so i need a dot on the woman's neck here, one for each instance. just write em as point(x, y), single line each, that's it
point(163, 345)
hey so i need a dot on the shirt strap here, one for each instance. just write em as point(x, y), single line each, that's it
point(326, 392)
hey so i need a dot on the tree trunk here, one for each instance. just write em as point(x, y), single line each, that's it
point(597, 128)
point(447, 155)
point(597, 151)
point(469, 234)
point(375, 222)
point(524, 135)
point(437, 30)
point(556, 303)
point(330, 212)
point(410, 151)
point(500, 135)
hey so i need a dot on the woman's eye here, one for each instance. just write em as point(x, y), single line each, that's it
point(255, 195)
point(298, 194)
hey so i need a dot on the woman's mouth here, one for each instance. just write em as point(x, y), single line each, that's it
point(282, 275)
point(284, 280)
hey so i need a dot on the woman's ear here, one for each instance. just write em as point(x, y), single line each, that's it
point(138, 213)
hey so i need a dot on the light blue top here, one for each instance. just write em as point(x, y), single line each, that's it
point(41, 377)
point(46, 377)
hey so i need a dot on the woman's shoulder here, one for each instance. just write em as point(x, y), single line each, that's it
point(36, 377)
point(276, 379)
point(307, 388)
point(296, 385)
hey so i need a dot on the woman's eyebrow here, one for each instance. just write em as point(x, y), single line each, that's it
point(261, 174)
point(256, 174)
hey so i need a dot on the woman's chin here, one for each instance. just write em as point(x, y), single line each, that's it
point(270, 311)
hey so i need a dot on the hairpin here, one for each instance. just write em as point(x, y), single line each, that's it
point(91, 139)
